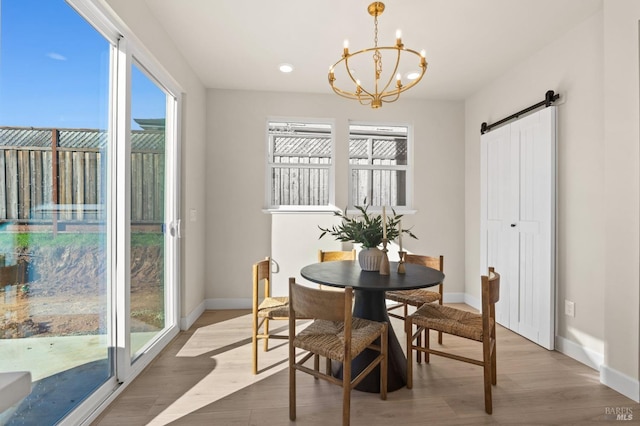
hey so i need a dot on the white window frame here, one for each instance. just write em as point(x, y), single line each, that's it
point(408, 168)
point(270, 166)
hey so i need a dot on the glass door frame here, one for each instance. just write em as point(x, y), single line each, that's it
point(127, 49)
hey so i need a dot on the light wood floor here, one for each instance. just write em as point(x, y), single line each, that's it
point(204, 378)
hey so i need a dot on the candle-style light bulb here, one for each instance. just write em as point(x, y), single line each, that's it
point(345, 49)
point(398, 37)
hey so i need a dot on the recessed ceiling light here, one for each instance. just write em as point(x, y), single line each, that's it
point(286, 68)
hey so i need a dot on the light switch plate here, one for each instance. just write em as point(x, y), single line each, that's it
point(569, 308)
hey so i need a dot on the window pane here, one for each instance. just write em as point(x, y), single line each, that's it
point(378, 160)
point(299, 163)
point(390, 152)
point(293, 186)
point(311, 147)
point(379, 187)
point(360, 185)
point(54, 287)
point(359, 150)
point(148, 106)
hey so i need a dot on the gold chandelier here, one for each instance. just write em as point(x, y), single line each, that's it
point(381, 88)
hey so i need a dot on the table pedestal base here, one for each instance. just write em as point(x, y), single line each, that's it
point(371, 305)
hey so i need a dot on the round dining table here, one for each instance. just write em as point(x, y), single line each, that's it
point(369, 288)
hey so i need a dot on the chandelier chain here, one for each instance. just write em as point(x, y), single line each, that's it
point(377, 57)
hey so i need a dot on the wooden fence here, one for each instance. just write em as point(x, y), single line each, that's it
point(65, 181)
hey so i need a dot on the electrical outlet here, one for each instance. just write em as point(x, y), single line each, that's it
point(569, 308)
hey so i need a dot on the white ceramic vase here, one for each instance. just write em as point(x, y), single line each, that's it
point(370, 258)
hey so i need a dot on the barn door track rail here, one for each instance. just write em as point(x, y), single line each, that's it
point(549, 98)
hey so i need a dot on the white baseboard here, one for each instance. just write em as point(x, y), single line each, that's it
point(619, 382)
point(584, 355)
point(186, 322)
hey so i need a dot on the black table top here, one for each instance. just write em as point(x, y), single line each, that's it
point(348, 273)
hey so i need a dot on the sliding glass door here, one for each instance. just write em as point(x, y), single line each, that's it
point(88, 208)
point(146, 222)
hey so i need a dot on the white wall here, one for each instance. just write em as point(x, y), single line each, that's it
point(597, 217)
point(139, 19)
point(622, 195)
point(241, 233)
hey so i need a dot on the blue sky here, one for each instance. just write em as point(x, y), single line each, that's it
point(54, 70)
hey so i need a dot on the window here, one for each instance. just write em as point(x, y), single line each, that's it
point(378, 165)
point(300, 164)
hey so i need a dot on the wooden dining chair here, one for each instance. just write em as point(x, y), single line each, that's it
point(333, 256)
point(479, 327)
point(419, 296)
point(336, 335)
point(265, 308)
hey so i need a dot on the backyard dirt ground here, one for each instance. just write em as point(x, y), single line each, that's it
point(66, 293)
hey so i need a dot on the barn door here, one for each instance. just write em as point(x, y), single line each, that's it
point(518, 222)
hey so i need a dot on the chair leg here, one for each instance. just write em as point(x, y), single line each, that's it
point(346, 392)
point(494, 369)
point(327, 366)
point(419, 353)
point(316, 364)
point(440, 337)
point(426, 345)
point(488, 406)
point(488, 366)
point(408, 331)
point(266, 334)
point(292, 384)
point(384, 348)
point(254, 344)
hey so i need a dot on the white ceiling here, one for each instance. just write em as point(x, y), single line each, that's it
point(238, 44)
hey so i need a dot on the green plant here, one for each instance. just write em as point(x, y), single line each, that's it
point(365, 228)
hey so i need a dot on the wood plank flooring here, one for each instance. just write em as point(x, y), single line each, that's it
point(204, 378)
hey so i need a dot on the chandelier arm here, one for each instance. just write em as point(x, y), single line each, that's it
point(355, 80)
point(383, 93)
point(345, 93)
point(337, 90)
point(423, 67)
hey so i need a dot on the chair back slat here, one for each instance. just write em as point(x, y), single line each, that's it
point(428, 261)
point(262, 269)
point(490, 288)
point(261, 273)
point(331, 256)
point(309, 302)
